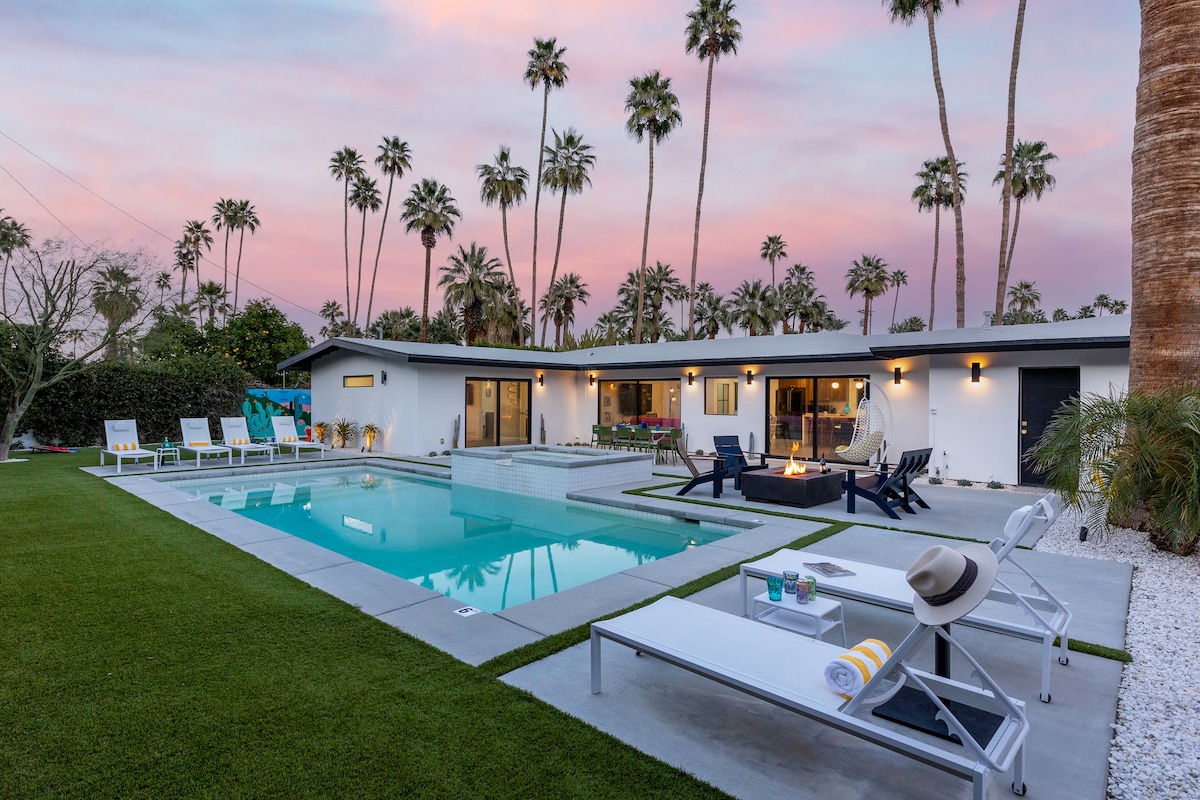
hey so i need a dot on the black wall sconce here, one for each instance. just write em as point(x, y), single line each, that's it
point(896, 376)
point(691, 378)
point(591, 380)
point(541, 380)
point(383, 376)
point(976, 368)
point(749, 377)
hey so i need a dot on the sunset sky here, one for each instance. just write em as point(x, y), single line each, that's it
point(161, 107)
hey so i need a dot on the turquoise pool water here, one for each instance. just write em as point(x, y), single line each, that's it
point(488, 549)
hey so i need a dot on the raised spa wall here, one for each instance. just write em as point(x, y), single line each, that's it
point(543, 471)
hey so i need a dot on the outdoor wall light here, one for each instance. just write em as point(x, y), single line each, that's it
point(749, 377)
point(896, 375)
point(976, 368)
point(591, 380)
point(858, 384)
point(383, 376)
point(835, 385)
point(541, 380)
point(691, 378)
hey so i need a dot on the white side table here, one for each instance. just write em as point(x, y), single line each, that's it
point(164, 454)
point(814, 618)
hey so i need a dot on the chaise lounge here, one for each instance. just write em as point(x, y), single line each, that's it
point(121, 441)
point(236, 436)
point(286, 437)
point(198, 440)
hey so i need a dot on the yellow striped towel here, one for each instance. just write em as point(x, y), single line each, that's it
point(848, 673)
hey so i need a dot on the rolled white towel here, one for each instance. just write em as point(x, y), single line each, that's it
point(848, 673)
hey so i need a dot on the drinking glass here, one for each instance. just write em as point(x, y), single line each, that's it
point(775, 587)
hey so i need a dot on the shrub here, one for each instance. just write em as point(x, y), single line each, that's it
point(321, 431)
point(964, 482)
point(433, 453)
point(370, 432)
point(995, 485)
point(935, 480)
point(344, 429)
point(1130, 461)
point(445, 452)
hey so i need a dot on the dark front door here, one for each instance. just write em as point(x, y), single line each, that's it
point(1042, 392)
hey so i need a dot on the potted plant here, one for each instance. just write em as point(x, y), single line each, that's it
point(345, 430)
point(321, 431)
point(370, 432)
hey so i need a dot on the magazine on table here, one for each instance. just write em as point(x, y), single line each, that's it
point(829, 569)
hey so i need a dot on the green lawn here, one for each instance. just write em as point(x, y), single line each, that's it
point(142, 657)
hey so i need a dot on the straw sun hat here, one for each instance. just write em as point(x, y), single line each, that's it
point(950, 583)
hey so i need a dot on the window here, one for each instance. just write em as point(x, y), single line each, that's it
point(357, 381)
point(814, 414)
point(720, 396)
point(633, 402)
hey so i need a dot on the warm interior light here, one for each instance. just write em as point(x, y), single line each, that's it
point(835, 385)
point(896, 373)
point(691, 378)
point(749, 377)
point(858, 384)
point(975, 370)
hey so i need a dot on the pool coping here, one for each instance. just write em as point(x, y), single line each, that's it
point(471, 636)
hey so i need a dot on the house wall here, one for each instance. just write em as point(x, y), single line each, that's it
point(974, 428)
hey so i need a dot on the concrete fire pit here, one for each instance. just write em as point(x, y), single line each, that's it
point(811, 488)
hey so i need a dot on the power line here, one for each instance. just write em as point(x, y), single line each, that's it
point(145, 225)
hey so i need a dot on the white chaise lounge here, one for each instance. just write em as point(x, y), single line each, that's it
point(788, 671)
point(236, 436)
point(286, 437)
point(1044, 617)
point(196, 439)
point(121, 441)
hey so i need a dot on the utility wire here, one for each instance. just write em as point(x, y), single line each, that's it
point(145, 225)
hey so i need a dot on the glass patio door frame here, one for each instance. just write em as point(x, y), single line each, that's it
point(827, 418)
point(490, 399)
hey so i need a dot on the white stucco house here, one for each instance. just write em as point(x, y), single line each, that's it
point(979, 397)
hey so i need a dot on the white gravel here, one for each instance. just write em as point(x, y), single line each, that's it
point(1156, 739)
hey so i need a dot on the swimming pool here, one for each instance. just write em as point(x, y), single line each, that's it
point(488, 549)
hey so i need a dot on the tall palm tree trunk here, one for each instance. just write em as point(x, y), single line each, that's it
point(237, 273)
point(425, 302)
point(960, 269)
point(512, 277)
point(895, 303)
point(937, 237)
point(700, 195)
point(346, 238)
point(562, 213)
point(1012, 244)
point(225, 279)
point(537, 200)
point(1006, 189)
point(387, 203)
point(362, 241)
point(641, 303)
point(866, 312)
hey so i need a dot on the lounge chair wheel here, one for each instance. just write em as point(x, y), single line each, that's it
point(1064, 661)
point(1019, 792)
point(1044, 698)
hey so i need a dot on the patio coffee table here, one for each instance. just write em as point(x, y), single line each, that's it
point(813, 619)
point(806, 490)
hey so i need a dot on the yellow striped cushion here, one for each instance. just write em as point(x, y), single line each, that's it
point(199, 444)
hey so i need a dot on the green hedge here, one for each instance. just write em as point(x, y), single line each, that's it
point(157, 394)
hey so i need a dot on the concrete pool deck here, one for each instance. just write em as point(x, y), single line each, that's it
point(745, 747)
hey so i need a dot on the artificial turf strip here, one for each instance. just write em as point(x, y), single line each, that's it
point(142, 657)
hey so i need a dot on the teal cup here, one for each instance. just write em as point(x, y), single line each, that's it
point(775, 587)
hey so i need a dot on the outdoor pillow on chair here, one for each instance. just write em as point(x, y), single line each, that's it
point(848, 673)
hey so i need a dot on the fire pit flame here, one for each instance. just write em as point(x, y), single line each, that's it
point(792, 469)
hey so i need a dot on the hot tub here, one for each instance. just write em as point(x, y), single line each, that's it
point(545, 471)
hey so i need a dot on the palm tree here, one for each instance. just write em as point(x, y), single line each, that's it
point(210, 297)
point(245, 218)
point(197, 238)
point(571, 290)
point(399, 325)
point(1023, 298)
point(431, 210)
point(660, 288)
point(933, 193)
point(471, 280)
point(897, 279)
point(331, 312)
point(653, 113)
point(567, 168)
point(795, 293)
point(713, 312)
point(504, 183)
point(393, 159)
point(712, 31)
point(1119, 306)
point(365, 197)
point(1007, 161)
point(1102, 303)
point(1029, 177)
point(183, 263)
point(224, 212)
point(1085, 312)
point(13, 237)
point(116, 296)
point(546, 69)
point(773, 249)
point(346, 165)
point(162, 282)
point(753, 307)
point(906, 11)
point(868, 277)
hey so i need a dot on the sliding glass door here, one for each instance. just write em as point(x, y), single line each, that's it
point(814, 414)
point(655, 403)
point(497, 412)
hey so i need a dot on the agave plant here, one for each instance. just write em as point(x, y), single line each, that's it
point(1130, 461)
point(345, 430)
point(321, 431)
point(370, 432)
